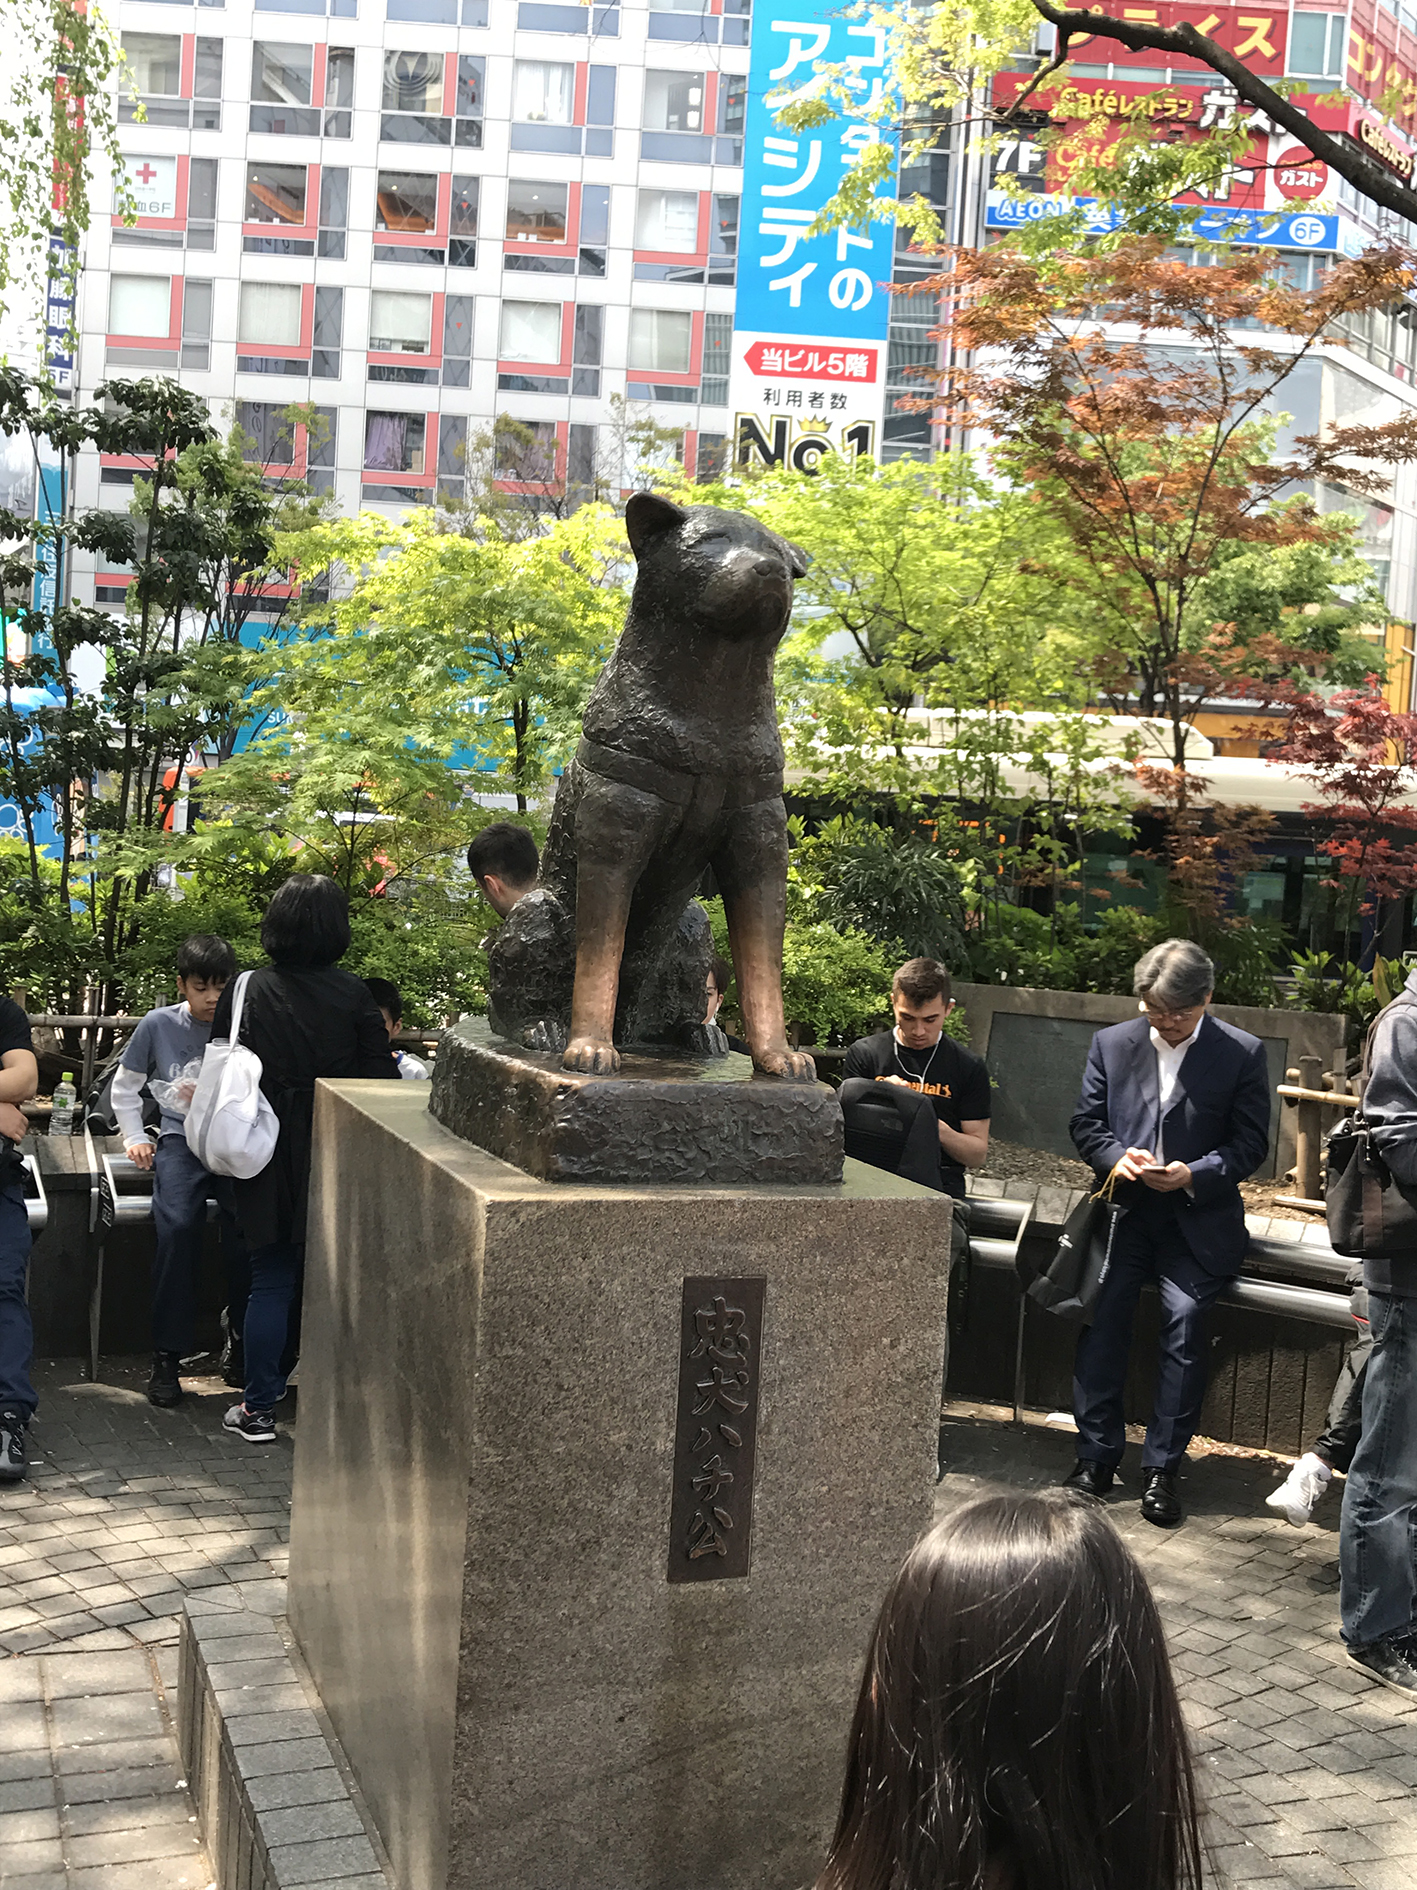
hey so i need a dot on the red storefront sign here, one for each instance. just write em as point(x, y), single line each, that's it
point(786, 360)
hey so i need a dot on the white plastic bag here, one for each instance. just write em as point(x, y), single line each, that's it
point(231, 1128)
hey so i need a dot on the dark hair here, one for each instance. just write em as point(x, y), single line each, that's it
point(507, 852)
point(385, 994)
point(920, 979)
point(307, 922)
point(722, 974)
point(1018, 1714)
point(206, 956)
point(1176, 973)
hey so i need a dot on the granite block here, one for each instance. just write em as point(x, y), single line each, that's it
point(481, 1517)
point(658, 1119)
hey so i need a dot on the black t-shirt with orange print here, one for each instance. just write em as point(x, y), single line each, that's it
point(955, 1080)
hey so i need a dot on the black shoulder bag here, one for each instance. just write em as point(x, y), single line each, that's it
point(1071, 1284)
point(1370, 1214)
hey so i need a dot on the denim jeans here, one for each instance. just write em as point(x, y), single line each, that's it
point(1378, 1534)
point(181, 1190)
point(277, 1274)
point(16, 1330)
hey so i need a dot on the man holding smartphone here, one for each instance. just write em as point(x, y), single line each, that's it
point(1177, 1105)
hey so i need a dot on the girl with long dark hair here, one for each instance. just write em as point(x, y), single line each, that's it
point(1018, 1726)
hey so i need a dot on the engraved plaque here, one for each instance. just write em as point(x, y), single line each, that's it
point(716, 1429)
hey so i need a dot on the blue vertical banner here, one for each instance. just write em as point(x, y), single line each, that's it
point(812, 312)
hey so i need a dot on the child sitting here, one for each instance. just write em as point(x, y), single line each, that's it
point(165, 1053)
point(385, 994)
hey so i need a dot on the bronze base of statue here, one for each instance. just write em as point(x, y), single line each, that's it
point(657, 1119)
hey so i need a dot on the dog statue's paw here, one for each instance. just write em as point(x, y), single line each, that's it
point(794, 1066)
point(546, 1034)
point(706, 1040)
point(591, 1055)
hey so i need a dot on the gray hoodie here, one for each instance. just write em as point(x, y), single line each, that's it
point(1390, 1106)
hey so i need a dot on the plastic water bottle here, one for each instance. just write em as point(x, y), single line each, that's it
point(66, 1106)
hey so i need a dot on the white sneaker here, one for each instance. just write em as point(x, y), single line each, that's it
point(1298, 1495)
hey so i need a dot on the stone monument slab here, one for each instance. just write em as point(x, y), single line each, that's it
point(657, 1118)
point(524, 1413)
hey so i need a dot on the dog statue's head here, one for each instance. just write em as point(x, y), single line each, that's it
point(725, 572)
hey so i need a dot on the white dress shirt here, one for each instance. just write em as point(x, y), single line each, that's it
point(1169, 1058)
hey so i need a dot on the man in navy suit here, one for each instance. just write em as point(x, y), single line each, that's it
point(1178, 1104)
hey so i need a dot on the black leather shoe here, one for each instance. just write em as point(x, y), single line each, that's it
point(164, 1385)
point(1393, 1662)
point(1093, 1479)
point(14, 1459)
point(1159, 1501)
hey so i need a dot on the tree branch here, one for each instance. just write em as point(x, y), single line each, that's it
point(1378, 185)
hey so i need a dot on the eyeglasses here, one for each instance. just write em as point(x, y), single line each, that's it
point(1169, 1017)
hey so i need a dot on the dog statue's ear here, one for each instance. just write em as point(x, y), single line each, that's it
point(797, 558)
point(647, 515)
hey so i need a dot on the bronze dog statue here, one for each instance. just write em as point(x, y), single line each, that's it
point(679, 768)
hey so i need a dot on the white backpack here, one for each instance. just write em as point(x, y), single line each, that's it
point(231, 1128)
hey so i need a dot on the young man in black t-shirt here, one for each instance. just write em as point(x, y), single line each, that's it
point(19, 1079)
point(917, 1055)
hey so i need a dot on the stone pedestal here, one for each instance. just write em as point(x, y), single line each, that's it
point(532, 1682)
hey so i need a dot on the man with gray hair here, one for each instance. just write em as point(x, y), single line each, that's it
point(1177, 1106)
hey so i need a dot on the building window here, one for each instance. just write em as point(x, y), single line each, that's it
point(196, 323)
point(399, 323)
point(542, 94)
point(281, 78)
point(528, 455)
point(586, 349)
point(413, 82)
point(462, 223)
point(206, 84)
point(531, 331)
point(155, 62)
point(732, 103)
point(334, 209)
point(270, 433)
point(328, 334)
point(1317, 43)
point(660, 339)
point(406, 200)
point(536, 212)
point(711, 461)
point(600, 96)
point(339, 76)
point(457, 340)
point(452, 456)
point(674, 101)
point(140, 305)
point(201, 203)
point(394, 442)
point(275, 193)
point(718, 353)
point(472, 81)
point(269, 314)
point(320, 451)
point(668, 220)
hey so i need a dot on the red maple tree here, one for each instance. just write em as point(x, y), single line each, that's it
point(1362, 755)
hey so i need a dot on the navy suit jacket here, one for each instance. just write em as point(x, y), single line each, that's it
point(1218, 1124)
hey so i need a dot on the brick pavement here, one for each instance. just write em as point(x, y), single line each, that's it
point(128, 1511)
point(1308, 1768)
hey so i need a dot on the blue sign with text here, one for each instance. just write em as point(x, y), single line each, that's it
point(790, 283)
point(1266, 229)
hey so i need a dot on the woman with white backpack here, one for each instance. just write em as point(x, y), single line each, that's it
point(303, 1018)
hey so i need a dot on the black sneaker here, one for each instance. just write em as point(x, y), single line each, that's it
point(164, 1385)
point(14, 1458)
point(257, 1427)
point(1393, 1661)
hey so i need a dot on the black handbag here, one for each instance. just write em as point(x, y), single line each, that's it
point(1071, 1284)
point(1370, 1215)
